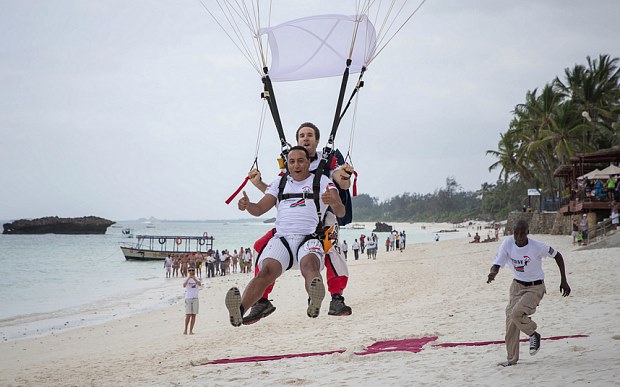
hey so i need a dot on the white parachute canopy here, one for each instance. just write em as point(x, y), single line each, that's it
point(319, 46)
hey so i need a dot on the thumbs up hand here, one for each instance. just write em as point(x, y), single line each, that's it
point(243, 202)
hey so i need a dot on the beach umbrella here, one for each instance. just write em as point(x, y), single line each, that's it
point(590, 175)
point(611, 170)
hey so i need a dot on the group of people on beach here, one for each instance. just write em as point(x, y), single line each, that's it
point(305, 237)
point(394, 240)
point(213, 262)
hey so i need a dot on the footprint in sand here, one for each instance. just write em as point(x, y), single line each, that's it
point(616, 337)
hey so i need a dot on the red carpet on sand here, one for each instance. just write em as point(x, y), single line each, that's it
point(414, 345)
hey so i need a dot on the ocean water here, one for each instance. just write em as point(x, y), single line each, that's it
point(51, 282)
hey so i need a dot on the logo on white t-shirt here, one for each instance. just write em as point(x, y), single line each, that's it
point(520, 264)
point(299, 203)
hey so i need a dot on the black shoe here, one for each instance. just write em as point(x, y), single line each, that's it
point(262, 308)
point(534, 343)
point(337, 307)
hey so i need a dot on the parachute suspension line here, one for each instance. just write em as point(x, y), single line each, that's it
point(252, 21)
point(255, 163)
point(256, 28)
point(383, 45)
point(261, 126)
point(231, 14)
point(358, 85)
point(349, 158)
point(239, 42)
point(352, 135)
point(354, 37)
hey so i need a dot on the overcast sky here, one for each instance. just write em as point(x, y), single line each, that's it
point(129, 109)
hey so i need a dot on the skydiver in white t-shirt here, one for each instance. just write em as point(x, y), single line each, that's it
point(292, 246)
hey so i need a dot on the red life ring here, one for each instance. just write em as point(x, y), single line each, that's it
point(205, 235)
point(179, 241)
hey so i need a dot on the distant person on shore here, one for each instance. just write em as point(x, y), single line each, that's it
point(356, 249)
point(176, 264)
point(247, 259)
point(210, 264)
point(371, 248)
point(362, 243)
point(241, 260)
point(218, 262)
point(436, 237)
point(184, 261)
point(235, 260)
point(476, 239)
point(583, 227)
point(345, 249)
point(168, 266)
point(614, 217)
point(575, 231)
point(524, 256)
point(192, 286)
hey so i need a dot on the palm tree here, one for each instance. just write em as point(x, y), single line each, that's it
point(595, 89)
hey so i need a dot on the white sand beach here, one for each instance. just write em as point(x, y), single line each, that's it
point(430, 290)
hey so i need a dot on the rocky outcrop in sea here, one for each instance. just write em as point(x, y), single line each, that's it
point(56, 225)
point(382, 227)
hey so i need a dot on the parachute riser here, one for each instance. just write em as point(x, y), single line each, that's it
point(358, 85)
point(329, 147)
point(269, 95)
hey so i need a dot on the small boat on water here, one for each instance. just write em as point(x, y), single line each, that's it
point(157, 247)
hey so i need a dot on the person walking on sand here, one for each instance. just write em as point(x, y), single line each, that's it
point(345, 249)
point(295, 244)
point(524, 256)
point(583, 227)
point(356, 249)
point(191, 285)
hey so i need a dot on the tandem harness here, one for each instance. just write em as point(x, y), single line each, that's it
point(315, 195)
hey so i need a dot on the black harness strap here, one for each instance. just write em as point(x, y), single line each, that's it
point(270, 96)
point(290, 252)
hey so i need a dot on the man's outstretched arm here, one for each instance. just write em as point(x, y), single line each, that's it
point(564, 288)
point(256, 209)
point(492, 273)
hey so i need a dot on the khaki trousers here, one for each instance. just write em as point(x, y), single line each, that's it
point(522, 304)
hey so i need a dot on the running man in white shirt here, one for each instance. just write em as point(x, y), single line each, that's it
point(293, 245)
point(524, 256)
